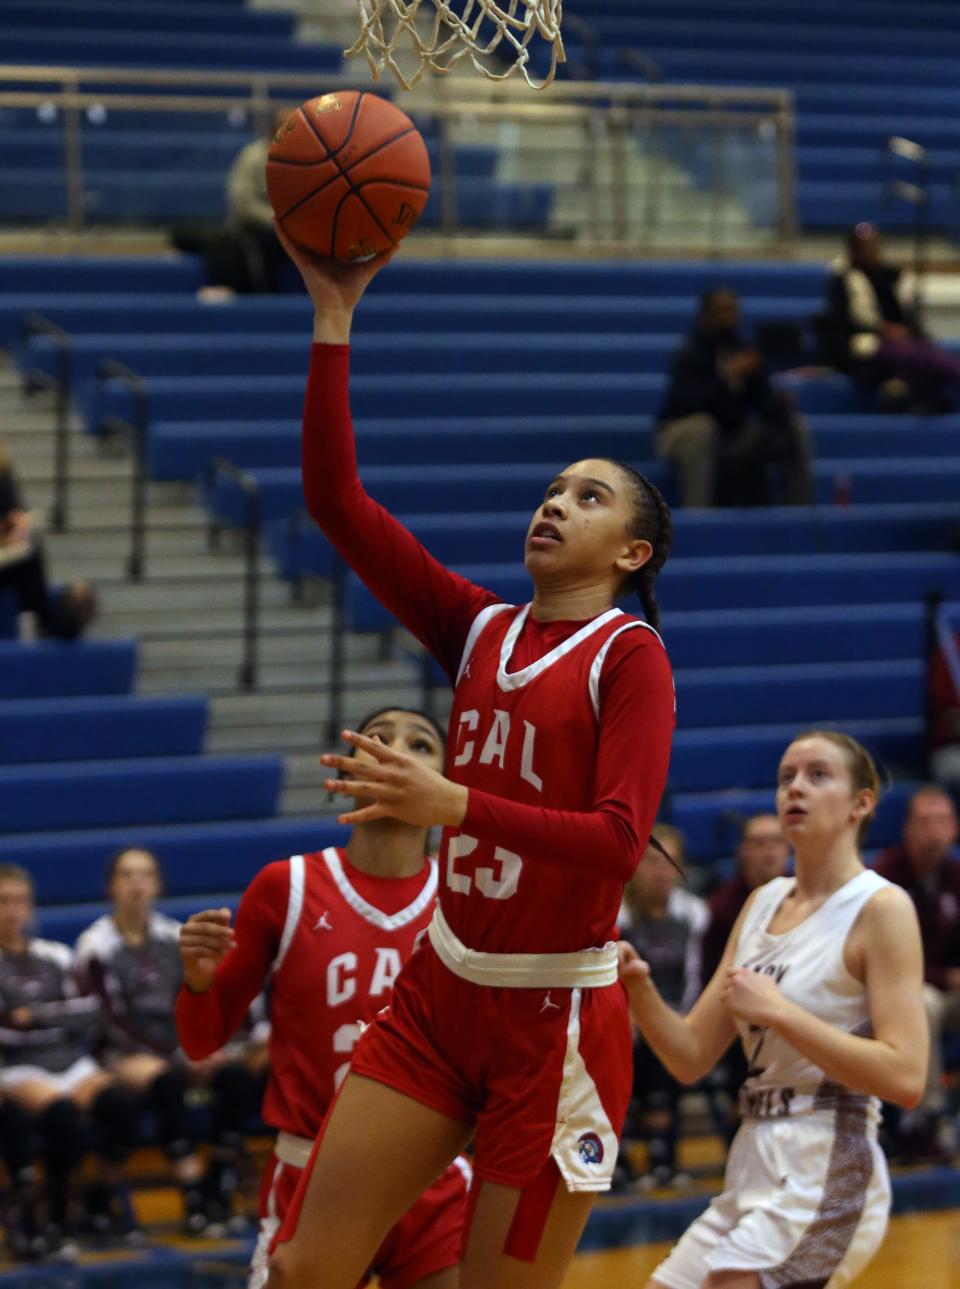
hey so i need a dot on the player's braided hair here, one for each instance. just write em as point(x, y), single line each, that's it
point(653, 523)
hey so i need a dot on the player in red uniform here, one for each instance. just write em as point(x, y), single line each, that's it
point(327, 933)
point(507, 1023)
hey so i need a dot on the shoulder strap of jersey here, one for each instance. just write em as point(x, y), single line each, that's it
point(298, 881)
point(767, 899)
point(473, 635)
point(601, 658)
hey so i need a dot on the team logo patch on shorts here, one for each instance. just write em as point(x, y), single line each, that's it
point(590, 1148)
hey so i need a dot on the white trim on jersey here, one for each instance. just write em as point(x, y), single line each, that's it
point(269, 1226)
point(376, 917)
point(465, 1169)
point(476, 626)
point(59, 954)
point(102, 938)
point(507, 681)
point(584, 1143)
point(294, 908)
point(601, 658)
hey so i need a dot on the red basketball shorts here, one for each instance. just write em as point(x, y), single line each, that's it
point(427, 1239)
point(538, 1073)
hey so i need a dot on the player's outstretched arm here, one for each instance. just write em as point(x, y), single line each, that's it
point(888, 955)
point(334, 286)
point(433, 603)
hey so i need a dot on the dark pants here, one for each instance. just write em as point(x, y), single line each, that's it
point(27, 578)
point(244, 256)
point(930, 372)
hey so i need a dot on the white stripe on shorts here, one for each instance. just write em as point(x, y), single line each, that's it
point(584, 1143)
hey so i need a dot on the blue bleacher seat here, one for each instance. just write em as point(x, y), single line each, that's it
point(118, 311)
point(102, 794)
point(300, 549)
point(410, 489)
point(730, 756)
point(47, 669)
point(69, 729)
point(67, 922)
point(745, 582)
point(196, 857)
point(799, 692)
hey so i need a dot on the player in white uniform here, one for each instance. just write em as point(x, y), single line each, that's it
point(821, 979)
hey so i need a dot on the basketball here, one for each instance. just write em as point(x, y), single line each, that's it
point(348, 175)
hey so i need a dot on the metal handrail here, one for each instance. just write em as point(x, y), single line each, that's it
point(616, 106)
point(35, 324)
point(472, 89)
point(250, 487)
point(111, 370)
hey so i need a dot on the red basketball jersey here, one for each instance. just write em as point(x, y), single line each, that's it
point(529, 735)
point(335, 967)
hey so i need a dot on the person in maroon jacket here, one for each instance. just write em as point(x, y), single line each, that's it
point(762, 855)
point(926, 864)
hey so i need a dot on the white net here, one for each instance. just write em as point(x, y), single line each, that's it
point(434, 35)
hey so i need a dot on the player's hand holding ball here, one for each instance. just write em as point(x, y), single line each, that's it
point(334, 286)
point(752, 996)
point(205, 940)
point(392, 785)
point(348, 176)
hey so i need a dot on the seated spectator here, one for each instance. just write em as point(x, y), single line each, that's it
point(871, 330)
point(63, 614)
point(723, 425)
point(664, 926)
point(130, 959)
point(244, 256)
point(762, 855)
point(48, 1030)
point(926, 864)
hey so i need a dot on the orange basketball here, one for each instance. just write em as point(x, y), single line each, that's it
point(348, 175)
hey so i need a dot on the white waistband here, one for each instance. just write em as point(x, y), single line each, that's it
point(293, 1150)
point(586, 969)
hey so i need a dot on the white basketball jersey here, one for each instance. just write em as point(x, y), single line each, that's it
point(807, 964)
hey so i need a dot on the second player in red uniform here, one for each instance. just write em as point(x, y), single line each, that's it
point(327, 933)
point(508, 1023)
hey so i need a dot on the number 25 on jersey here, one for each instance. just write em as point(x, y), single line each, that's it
point(497, 881)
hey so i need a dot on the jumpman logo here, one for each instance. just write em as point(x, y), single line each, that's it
point(549, 1004)
point(466, 672)
point(323, 922)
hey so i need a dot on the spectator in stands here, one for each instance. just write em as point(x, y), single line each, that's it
point(762, 855)
point(130, 959)
point(664, 924)
point(723, 425)
point(250, 215)
point(48, 1031)
point(926, 864)
point(243, 256)
point(871, 329)
point(61, 613)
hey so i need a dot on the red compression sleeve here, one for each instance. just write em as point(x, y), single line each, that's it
point(633, 754)
point(434, 604)
point(206, 1021)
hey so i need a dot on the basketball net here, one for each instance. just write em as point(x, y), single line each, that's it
point(481, 28)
